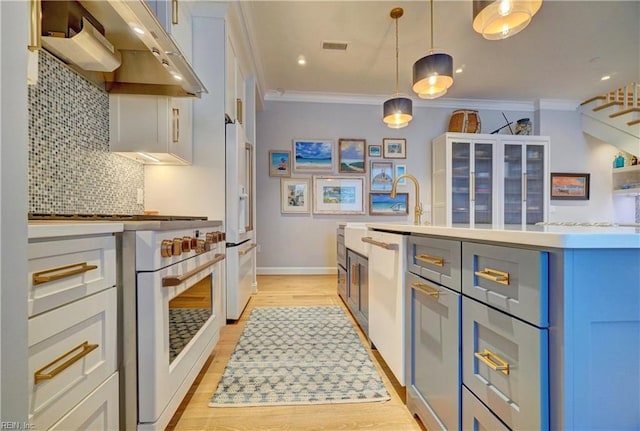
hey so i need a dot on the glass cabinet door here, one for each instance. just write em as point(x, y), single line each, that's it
point(513, 176)
point(482, 184)
point(460, 183)
point(534, 180)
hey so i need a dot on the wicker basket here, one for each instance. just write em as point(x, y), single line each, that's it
point(464, 121)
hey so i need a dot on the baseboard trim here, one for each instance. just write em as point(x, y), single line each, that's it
point(309, 270)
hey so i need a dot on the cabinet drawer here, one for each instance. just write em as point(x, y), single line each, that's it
point(492, 340)
point(433, 363)
point(435, 259)
point(511, 279)
point(66, 270)
point(476, 416)
point(97, 412)
point(56, 338)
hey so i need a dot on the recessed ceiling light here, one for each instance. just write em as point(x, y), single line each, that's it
point(301, 60)
point(604, 78)
point(459, 70)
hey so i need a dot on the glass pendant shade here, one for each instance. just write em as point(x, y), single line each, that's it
point(501, 19)
point(433, 75)
point(397, 112)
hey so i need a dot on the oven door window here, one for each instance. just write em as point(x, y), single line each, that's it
point(188, 312)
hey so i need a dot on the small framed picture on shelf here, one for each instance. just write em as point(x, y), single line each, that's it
point(352, 156)
point(375, 150)
point(394, 148)
point(384, 204)
point(401, 170)
point(313, 155)
point(338, 195)
point(381, 176)
point(279, 163)
point(569, 186)
point(295, 195)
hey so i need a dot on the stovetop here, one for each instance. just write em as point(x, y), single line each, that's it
point(112, 217)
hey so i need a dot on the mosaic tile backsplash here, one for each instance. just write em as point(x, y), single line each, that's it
point(70, 167)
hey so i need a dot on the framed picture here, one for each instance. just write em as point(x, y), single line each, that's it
point(313, 155)
point(566, 186)
point(394, 148)
point(295, 195)
point(381, 176)
point(375, 150)
point(338, 195)
point(279, 163)
point(383, 204)
point(352, 156)
point(401, 170)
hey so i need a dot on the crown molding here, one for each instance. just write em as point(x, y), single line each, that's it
point(359, 99)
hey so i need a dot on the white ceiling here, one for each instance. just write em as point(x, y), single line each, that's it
point(562, 54)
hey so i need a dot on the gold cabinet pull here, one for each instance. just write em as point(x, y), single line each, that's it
point(239, 110)
point(433, 260)
point(425, 288)
point(381, 244)
point(35, 27)
point(493, 361)
point(175, 280)
point(61, 272)
point(176, 125)
point(248, 249)
point(494, 275)
point(85, 348)
point(174, 12)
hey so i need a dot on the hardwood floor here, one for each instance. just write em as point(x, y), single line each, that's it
point(276, 290)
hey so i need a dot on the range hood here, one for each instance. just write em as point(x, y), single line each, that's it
point(150, 61)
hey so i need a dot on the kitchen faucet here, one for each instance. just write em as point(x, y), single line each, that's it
point(418, 206)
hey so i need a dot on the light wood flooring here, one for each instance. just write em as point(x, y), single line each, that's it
point(276, 290)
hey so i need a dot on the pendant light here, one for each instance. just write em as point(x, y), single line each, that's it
point(397, 111)
point(433, 74)
point(500, 19)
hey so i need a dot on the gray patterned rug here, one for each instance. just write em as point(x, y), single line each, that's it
point(298, 355)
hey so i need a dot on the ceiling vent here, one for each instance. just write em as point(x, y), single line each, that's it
point(334, 46)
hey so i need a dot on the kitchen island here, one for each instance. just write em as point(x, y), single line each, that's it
point(533, 328)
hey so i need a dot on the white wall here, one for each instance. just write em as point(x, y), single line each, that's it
point(306, 243)
point(13, 211)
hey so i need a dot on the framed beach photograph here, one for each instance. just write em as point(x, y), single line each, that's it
point(375, 150)
point(279, 163)
point(295, 195)
point(569, 186)
point(313, 155)
point(381, 175)
point(401, 170)
point(383, 204)
point(338, 195)
point(394, 148)
point(352, 156)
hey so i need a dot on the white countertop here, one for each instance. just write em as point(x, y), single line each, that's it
point(52, 229)
point(544, 236)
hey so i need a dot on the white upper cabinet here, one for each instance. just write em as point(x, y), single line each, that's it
point(151, 129)
point(235, 85)
point(175, 17)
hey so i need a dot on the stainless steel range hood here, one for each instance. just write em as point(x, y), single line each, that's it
point(151, 62)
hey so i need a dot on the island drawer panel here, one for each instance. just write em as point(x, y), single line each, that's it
point(510, 279)
point(505, 363)
point(65, 270)
point(476, 416)
point(435, 259)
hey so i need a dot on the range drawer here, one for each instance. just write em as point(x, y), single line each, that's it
point(435, 259)
point(505, 363)
point(62, 271)
point(81, 335)
point(510, 279)
point(97, 412)
point(476, 416)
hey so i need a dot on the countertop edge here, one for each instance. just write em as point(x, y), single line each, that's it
point(46, 229)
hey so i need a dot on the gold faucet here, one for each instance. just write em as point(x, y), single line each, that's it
point(418, 206)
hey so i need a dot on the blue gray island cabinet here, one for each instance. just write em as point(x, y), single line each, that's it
point(532, 329)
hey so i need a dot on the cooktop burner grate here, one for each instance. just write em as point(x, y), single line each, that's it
point(111, 217)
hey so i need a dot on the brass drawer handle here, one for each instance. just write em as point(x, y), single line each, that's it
point(175, 280)
point(248, 249)
point(85, 348)
point(35, 27)
point(494, 275)
point(493, 361)
point(433, 260)
point(174, 12)
point(425, 288)
point(176, 125)
point(62, 272)
point(381, 244)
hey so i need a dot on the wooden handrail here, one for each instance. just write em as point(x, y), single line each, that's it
point(607, 105)
point(623, 112)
